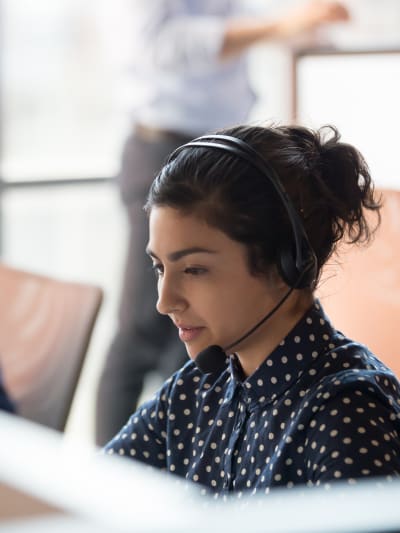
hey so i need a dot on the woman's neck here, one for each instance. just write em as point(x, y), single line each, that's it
point(264, 341)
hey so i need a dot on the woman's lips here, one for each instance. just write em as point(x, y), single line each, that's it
point(188, 334)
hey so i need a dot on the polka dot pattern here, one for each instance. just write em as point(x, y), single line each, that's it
point(320, 408)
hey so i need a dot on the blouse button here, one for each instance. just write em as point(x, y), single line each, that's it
point(239, 422)
point(225, 483)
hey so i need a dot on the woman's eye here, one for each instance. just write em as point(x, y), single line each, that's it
point(195, 271)
point(157, 269)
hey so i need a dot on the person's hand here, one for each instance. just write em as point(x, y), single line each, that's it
point(312, 15)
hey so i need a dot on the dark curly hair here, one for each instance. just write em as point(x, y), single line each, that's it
point(328, 182)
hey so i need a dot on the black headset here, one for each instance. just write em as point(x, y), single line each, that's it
point(297, 265)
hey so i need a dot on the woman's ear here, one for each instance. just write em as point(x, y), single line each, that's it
point(276, 279)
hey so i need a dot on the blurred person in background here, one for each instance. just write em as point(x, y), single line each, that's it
point(190, 69)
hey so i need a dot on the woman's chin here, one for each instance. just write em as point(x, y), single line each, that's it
point(193, 351)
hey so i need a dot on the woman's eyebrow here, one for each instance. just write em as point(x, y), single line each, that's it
point(179, 254)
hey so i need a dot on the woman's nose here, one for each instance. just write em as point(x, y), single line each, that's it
point(170, 299)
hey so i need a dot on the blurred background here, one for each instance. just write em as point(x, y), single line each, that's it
point(65, 91)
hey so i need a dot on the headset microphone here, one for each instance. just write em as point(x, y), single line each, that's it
point(211, 360)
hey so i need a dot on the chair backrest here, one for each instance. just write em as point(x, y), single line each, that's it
point(361, 294)
point(45, 329)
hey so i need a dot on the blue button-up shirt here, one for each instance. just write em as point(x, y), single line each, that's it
point(319, 408)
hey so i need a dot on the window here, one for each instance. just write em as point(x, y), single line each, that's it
point(60, 115)
point(357, 92)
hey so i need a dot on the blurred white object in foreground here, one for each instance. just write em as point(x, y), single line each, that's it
point(102, 494)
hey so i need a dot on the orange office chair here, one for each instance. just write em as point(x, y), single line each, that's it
point(45, 328)
point(361, 294)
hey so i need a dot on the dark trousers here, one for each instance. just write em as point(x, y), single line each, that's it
point(145, 340)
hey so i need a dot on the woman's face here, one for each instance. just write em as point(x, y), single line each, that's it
point(204, 283)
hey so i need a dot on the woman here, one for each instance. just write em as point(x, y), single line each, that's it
point(241, 225)
point(190, 66)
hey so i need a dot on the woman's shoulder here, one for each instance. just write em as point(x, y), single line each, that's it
point(356, 358)
point(352, 366)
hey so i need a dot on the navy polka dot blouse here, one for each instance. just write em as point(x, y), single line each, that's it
point(320, 408)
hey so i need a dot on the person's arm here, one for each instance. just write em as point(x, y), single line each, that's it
point(143, 438)
point(176, 40)
point(241, 34)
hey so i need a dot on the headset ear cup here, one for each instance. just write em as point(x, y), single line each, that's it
point(291, 275)
point(287, 266)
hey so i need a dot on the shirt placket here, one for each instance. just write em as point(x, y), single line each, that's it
point(236, 436)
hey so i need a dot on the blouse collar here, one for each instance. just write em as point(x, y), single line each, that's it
point(311, 337)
